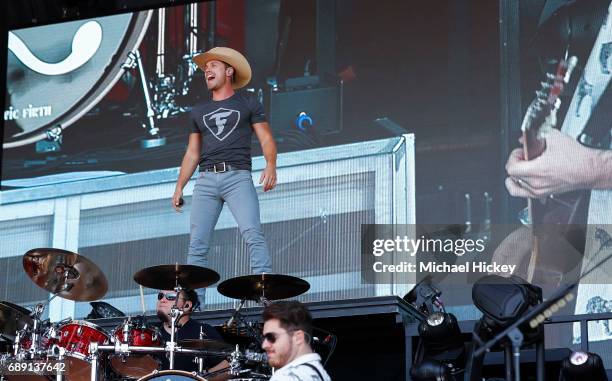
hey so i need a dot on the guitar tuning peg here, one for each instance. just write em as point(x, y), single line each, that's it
point(540, 94)
point(545, 85)
point(550, 76)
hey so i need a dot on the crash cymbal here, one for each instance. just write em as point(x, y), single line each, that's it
point(268, 286)
point(67, 274)
point(206, 344)
point(165, 277)
point(12, 319)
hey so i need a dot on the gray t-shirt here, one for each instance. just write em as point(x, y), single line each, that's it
point(226, 129)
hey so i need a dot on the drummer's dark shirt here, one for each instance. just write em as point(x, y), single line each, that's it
point(190, 330)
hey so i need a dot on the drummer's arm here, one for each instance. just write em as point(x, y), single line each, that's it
point(223, 376)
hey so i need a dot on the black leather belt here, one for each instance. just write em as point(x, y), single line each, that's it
point(220, 168)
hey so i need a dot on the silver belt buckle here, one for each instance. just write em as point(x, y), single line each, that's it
point(215, 168)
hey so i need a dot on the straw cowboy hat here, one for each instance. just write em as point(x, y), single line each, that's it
point(242, 69)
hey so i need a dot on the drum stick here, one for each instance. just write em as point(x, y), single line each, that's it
point(144, 311)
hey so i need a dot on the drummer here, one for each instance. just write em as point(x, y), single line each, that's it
point(187, 329)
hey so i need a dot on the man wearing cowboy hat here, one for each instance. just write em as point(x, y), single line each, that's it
point(220, 144)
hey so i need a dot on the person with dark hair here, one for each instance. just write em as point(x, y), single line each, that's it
point(220, 144)
point(287, 334)
point(188, 328)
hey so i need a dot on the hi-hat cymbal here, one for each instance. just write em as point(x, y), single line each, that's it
point(206, 344)
point(12, 319)
point(67, 274)
point(166, 277)
point(267, 286)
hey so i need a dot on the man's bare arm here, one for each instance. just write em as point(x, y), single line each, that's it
point(268, 147)
point(188, 167)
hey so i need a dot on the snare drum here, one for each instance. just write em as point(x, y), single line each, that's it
point(75, 338)
point(136, 365)
point(171, 375)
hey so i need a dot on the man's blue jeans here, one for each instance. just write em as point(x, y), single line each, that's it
point(210, 192)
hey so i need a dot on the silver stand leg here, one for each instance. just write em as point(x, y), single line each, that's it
point(59, 376)
point(200, 364)
point(175, 315)
point(93, 348)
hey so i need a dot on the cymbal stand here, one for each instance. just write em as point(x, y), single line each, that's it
point(59, 376)
point(175, 315)
point(36, 314)
point(93, 356)
point(241, 321)
point(199, 359)
point(234, 368)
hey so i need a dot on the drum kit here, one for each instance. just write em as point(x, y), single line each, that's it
point(79, 350)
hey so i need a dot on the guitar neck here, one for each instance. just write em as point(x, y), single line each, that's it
point(533, 144)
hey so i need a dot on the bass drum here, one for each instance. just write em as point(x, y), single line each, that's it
point(171, 375)
point(53, 81)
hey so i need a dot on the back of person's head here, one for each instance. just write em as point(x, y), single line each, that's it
point(292, 316)
point(191, 296)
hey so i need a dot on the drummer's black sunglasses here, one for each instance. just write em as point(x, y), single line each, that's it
point(170, 296)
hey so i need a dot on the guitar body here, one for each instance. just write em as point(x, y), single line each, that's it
point(559, 238)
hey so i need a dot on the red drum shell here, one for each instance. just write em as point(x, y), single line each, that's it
point(136, 365)
point(75, 337)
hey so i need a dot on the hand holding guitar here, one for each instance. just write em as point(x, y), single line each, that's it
point(564, 166)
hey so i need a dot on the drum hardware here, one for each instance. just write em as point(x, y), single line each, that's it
point(235, 368)
point(95, 350)
point(161, 104)
point(166, 375)
point(134, 61)
point(175, 315)
point(237, 321)
point(126, 329)
point(206, 344)
point(83, 346)
point(134, 333)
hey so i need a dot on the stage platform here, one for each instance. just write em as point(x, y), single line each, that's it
point(376, 336)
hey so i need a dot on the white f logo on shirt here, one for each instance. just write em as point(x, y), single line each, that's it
point(225, 121)
point(220, 119)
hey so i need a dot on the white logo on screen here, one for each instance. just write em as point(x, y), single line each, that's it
point(221, 122)
point(85, 44)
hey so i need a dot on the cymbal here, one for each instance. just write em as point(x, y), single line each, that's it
point(12, 319)
point(268, 286)
point(165, 277)
point(67, 274)
point(206, 344)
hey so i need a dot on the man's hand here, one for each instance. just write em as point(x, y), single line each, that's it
point(565, 165)
point(177, 199)
point(268, 178)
